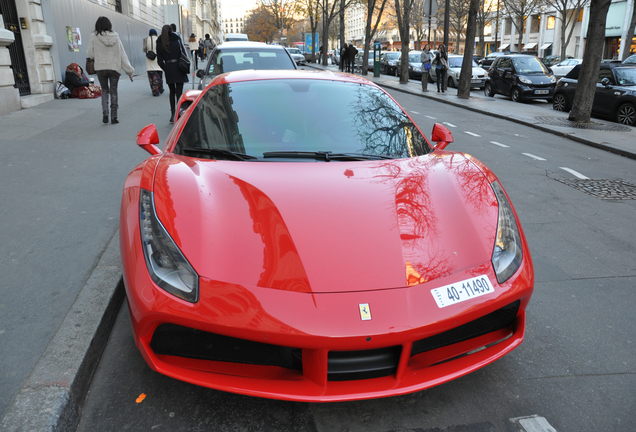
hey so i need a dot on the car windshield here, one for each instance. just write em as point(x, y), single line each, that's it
point(415, 57)
point(300, 115)
point(293, 50)
point(625, 76)
point(456, 62)
point(230, 60)
point(529, 65)
point(392, 55)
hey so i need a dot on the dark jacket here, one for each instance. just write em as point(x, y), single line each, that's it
point(169, 61)
point(72, 81)
point(351, 53)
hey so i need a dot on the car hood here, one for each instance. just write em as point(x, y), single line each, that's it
point(328, 226)
point(538, 78)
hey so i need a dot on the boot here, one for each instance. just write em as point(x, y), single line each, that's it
point(172, 116)
point(105, 118)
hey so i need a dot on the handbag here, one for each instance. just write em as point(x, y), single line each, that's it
point(184, 61)
point(90, 66)
point(427, 66)
point(151, 55)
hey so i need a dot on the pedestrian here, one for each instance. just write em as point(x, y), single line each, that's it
point(105, 47)
point(208, 44)
point(320, 53)
point(173, 26)
point(155, 73)
point(441, 68)
point(343, 57)
point(426, 66)
point(201, 50)
point(194, 47)
point(351, 57)
point(169, 50)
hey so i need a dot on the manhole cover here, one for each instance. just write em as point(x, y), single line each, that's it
point(603, 189)
point(561, 121)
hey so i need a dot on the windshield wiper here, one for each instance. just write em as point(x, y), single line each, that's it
point(219, 153)
point(324, 155)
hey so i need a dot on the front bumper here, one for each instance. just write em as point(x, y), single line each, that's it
point(536, 92)
point(310, 346)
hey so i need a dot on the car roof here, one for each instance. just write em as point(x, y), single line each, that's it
point(247, 44)
point(518, 55)
point(275, 74)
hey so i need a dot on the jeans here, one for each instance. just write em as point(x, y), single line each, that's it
point(424, 79)
point(442, 79)
point(109, 79)
point(176, 89)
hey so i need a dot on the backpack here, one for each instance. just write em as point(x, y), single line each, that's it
point(61, 91)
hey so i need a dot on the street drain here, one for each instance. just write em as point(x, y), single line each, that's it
point(603, 189)
point(561, 121)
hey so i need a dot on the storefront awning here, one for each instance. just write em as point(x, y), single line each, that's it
point(503, 47)
point(530, 46)
point(546, 46)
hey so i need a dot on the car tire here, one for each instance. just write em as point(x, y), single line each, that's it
point(560, 102)
point(451, 83)
point(395, 72)
point(430, 78)
point(515, 94)
point(626, 114)
point(488, 90)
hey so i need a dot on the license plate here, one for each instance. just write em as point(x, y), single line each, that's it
point(475, 81)
point(461, 291)
point(541, 91)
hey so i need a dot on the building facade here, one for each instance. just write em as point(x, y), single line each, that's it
point(39, 38)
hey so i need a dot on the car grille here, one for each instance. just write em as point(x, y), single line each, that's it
point(175, 340)
point(494, 321)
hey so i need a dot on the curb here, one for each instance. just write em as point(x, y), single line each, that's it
point(53, 395)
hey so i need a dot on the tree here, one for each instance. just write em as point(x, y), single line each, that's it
point(330, 9)
point(311, 8)
point(586, 86)
point(283, 12)
point(630, 35)
point(373, 10)
point(458, 14)
point(568, 13)
point(518, 10)
point(417, 20)
point(466, 74)
point(484, 17)
point(403, 12)
point(258, 25)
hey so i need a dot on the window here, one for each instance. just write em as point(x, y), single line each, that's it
point(536, 23)
point(550, 23)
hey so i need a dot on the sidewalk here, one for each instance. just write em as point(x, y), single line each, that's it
point(606, 135)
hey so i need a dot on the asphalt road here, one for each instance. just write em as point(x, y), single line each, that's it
point(576, 368)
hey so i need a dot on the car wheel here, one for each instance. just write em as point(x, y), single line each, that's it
point(395, 71)
point(451, 83)
point(515, 94)
point(560, 103)
point(488, 91)
point(626, 114)
point(430, 78)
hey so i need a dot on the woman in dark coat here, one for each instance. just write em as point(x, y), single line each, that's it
point(169, 49)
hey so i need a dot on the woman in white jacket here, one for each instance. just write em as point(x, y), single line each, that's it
point(105, 47)
point(155, 73)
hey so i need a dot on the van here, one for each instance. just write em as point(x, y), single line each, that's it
point(235, 37)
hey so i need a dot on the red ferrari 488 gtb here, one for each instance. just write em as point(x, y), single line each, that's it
point(299, 238)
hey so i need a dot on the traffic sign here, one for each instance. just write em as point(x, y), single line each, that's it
point(430, 7)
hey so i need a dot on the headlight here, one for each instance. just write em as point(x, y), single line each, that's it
point(417, 68)
point(553, 79)
point(166, 264)
point(391, 63)
point(507, 255)
point(525, 80)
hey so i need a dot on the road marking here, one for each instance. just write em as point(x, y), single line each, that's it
point(449, 124)
point(432, 118)
point(472, 134)
point(533, 156)
point(414, 112)
point(533, 423)
point(499, 144)
point(574, 173)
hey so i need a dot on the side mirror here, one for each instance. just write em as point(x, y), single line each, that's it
point(148, 138)
point(200, 73)
point(441, 136)
point(605, 82)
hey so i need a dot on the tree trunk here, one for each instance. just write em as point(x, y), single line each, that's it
point(466, 74)
point(586, 86)
point(563, 30)
point(342, 26)
point(630, 34)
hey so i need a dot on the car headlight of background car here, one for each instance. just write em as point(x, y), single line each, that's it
point(525, 80)
point(166, 265)
point(417, 68)
point(507, 255)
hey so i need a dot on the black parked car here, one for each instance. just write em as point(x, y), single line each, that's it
point(389, 62)
point(487, 61)
point(521, 77)
point(615, 96)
